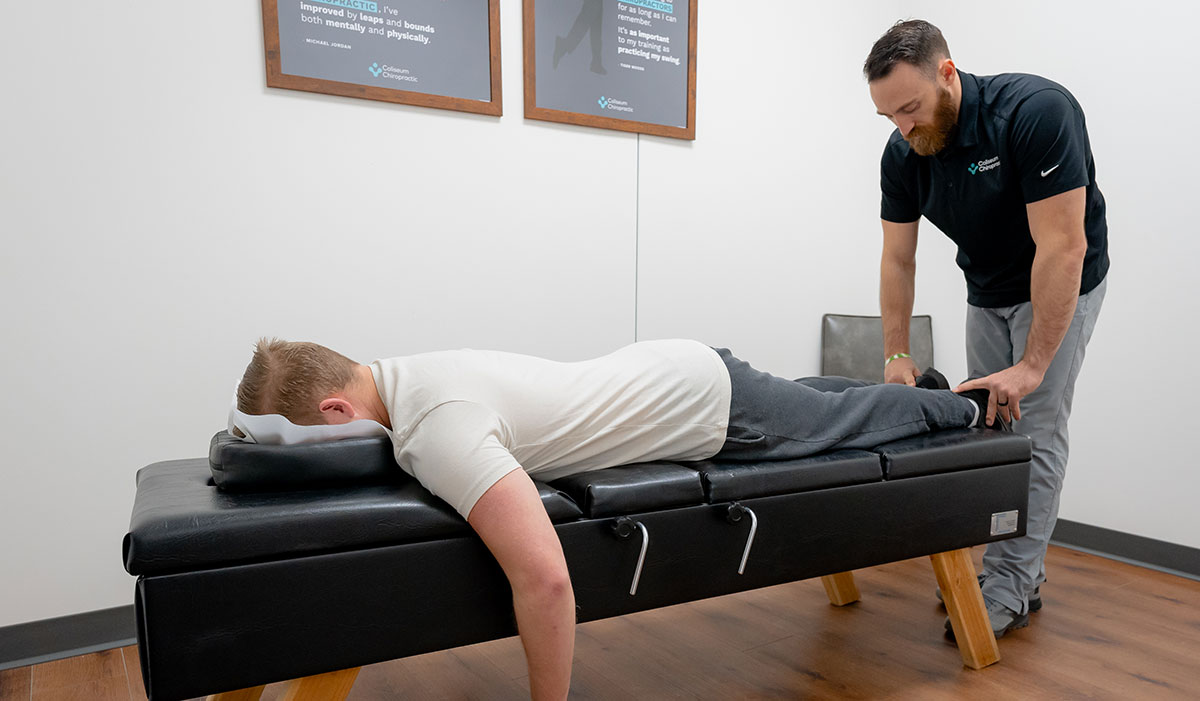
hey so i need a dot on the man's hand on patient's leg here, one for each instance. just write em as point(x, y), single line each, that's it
point(901, 371)
point(1006, 390)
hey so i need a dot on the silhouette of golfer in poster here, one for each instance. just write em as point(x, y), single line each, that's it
point(590, 19)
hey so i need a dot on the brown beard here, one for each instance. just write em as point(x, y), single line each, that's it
point(927, 140)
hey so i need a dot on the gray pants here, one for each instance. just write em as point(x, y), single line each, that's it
point(771, 418)
point(995, 340)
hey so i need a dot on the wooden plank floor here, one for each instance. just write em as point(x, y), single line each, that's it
point(1108, 631)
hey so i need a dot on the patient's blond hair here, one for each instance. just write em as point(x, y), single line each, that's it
point(291, 378)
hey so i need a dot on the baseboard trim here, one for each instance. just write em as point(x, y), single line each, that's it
point(1160, 555)
point(56, 638)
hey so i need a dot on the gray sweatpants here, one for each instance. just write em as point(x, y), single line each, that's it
point(995, 340)
point(771, 418)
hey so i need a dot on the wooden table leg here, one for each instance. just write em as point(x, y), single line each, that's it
point(251, 694)
point(333, 686)
point(964, 603)
point(840, 588)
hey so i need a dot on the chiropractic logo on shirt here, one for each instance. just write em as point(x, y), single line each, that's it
point(985, 164)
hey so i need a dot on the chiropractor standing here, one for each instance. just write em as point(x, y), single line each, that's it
point(1002, 165)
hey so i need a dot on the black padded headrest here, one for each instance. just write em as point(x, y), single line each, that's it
point(238, 466)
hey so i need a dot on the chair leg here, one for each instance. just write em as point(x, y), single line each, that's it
point(840, 588)
point(251, 694)
point(333, 686)
point(964, 602)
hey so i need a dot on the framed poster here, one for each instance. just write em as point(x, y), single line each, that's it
point(431, 53)
point(615, 64)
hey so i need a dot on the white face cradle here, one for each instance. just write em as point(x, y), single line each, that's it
point(274, 429)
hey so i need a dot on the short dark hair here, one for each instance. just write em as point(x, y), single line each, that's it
point(915, 42)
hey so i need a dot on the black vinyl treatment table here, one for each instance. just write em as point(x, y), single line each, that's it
point(269, 563)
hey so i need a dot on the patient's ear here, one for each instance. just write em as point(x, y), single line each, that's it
point(336, 410)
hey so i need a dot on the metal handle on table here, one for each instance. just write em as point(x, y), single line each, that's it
point(623, 528)
point(733, 515)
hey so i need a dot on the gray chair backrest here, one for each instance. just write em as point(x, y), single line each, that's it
point(852, 346)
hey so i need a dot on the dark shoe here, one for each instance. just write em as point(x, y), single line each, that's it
point(980, 397)
point(1002, 618)
point(932, 379)
point(1035, 599)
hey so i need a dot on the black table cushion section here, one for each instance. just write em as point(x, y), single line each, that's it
point(951, 450)
point(239, 466)
point(727, 481)
point(237, 589)
point(181, 521)
point(647, 486)
point(220, 628)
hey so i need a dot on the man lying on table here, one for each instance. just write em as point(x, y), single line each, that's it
point(472, 426)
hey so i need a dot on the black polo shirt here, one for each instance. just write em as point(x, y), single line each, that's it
point(1019, 139)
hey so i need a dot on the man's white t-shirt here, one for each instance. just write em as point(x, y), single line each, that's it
point(461, 420)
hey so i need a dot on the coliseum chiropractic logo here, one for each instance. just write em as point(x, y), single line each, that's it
point(392, 73)
point(984, 165)
point(611, 103)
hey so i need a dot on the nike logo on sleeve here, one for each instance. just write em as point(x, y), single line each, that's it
point(1048, 172)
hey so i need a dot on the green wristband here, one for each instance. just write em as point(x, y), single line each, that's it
point(898, 355)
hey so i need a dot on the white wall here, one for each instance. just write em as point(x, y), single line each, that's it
point(160, 209)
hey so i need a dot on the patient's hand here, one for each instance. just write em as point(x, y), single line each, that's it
point(901, 371)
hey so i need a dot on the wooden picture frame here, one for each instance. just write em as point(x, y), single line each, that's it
point(535, 111)
point(276, 78)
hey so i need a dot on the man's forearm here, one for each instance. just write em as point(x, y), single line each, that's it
point(1054, 291)
point(546, 620)
point(896, 284)
point(512, 522)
